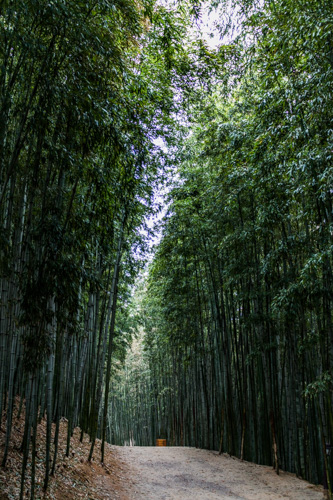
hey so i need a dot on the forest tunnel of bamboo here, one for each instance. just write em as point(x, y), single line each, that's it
point(217, 331)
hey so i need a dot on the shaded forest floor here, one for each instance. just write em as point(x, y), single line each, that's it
point(145, 473)
point(75, 478)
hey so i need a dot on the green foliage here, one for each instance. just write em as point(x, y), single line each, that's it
point(85, 90)
point(239, 295)
point(237, 312)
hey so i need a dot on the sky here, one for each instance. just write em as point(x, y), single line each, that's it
point(207, 27)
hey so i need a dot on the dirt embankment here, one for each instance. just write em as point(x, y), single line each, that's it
point(75, 478)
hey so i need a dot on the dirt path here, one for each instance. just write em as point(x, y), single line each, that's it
point(192, 474)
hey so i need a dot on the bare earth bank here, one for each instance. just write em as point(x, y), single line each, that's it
point(159, 473)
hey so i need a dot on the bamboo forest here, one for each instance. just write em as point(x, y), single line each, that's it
point(166, 235)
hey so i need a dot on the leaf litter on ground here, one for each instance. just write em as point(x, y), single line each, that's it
point(74, 478)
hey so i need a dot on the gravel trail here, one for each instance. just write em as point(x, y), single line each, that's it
point(175, 473)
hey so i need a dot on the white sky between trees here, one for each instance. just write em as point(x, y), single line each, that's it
point(207, 28)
